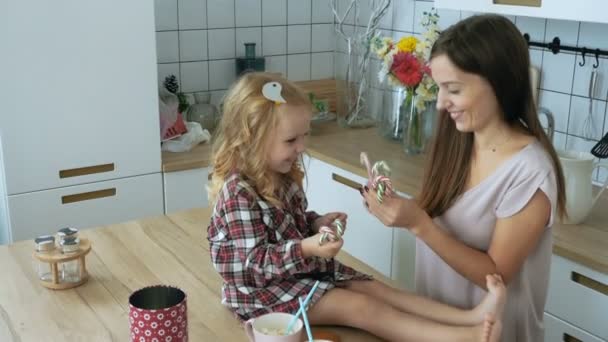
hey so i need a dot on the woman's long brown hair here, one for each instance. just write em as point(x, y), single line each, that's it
point(492, 47)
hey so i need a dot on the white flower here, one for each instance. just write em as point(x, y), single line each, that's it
point(387, 61)
point(380, 45)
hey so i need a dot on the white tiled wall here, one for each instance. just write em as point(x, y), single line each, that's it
point(198, 40)
point(563, 85)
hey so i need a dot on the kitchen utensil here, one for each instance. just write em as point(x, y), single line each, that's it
point(295, 318)
point(578, 170)
point(550, 121)
point(158, 313)
point(305, 317)
point(589, 124)
point(600, 149)
point(534, 80)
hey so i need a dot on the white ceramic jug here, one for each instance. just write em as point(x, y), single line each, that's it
point(578, 170)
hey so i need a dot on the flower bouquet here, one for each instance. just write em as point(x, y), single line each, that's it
point(405, 64)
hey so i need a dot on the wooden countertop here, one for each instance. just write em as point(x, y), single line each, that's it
point(585, 243)
point(198, 157)
point(125, 257)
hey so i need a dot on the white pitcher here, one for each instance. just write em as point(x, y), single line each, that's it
point(578, 170)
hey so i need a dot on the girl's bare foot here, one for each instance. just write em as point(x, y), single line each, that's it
point(491, 330)
point(494, 302)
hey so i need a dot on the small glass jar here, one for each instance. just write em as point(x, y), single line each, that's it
point(45, 244)
point(70, 270)
point(67, 232)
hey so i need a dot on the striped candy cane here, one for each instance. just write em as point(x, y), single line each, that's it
point(378, 177)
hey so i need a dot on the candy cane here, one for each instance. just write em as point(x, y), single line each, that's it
point(378, 177)
point(331, 234)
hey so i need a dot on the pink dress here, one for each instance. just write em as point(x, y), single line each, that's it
point(472, 219)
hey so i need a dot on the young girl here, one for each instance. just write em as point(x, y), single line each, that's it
point(267, 247)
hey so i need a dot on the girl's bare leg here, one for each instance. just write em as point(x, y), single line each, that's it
point(349, 308)
point(408, 302)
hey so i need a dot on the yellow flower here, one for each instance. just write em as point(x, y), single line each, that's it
point(407, 44)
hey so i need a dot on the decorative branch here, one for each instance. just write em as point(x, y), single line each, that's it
point(358, 43)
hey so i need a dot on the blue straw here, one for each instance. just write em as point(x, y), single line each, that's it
point(308, 332)
point(295, 318)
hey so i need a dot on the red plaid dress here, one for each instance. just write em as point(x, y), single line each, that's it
point(256, 248)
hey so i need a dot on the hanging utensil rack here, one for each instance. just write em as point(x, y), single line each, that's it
point(555, 47)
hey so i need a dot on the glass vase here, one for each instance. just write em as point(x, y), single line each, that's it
point(415, 125)
point(353, 86)
point(390, 125)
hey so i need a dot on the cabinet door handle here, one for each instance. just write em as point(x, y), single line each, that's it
point(345, 181)
point(531, 3)
point(570, 338)
point(590, 283)
point(85, 196)
point(87, 170)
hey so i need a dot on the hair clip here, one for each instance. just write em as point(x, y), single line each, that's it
point(272, 91)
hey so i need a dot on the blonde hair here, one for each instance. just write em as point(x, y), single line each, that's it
point(248, 122)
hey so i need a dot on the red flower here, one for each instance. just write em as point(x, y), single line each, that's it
point(407, 69)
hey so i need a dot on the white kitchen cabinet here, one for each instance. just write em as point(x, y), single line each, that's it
point(581, 10)
point(186, 189)
point(366, 238)
point(404, 259)
point(557, 330)
point(80, 112)
point(4, 224)
point(86, 205)
point(579, 296)
point(82, 92)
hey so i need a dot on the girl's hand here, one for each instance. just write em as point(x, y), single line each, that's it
point(328, 219)
point(396, 211)
point(311, 247)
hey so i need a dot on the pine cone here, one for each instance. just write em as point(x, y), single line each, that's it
point(171, 84)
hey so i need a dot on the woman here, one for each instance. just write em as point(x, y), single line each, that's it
point(493, 182)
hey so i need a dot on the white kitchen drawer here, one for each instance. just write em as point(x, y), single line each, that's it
point(557, 330)
point(366, 238)
point(186, 189)
point(44, 212)
point(578, 296)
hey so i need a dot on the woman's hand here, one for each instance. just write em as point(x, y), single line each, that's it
point(328, 250)
point(396, 211)
point(327, 219)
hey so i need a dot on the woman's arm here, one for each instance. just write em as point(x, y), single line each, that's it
point(513, 239)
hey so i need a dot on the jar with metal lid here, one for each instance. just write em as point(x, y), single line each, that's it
point(45, 245)
point(70, 272)
point(67, 232)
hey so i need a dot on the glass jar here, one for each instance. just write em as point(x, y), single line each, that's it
point(67, 232)
point(70, 270)
point(45, 244)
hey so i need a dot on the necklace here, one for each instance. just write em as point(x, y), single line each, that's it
point(496, 146)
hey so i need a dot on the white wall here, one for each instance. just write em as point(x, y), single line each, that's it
point(198, 40)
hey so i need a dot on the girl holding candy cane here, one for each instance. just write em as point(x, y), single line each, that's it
point(270, 250)
point(493, 183)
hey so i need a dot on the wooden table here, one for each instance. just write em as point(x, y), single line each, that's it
point(125, 257)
